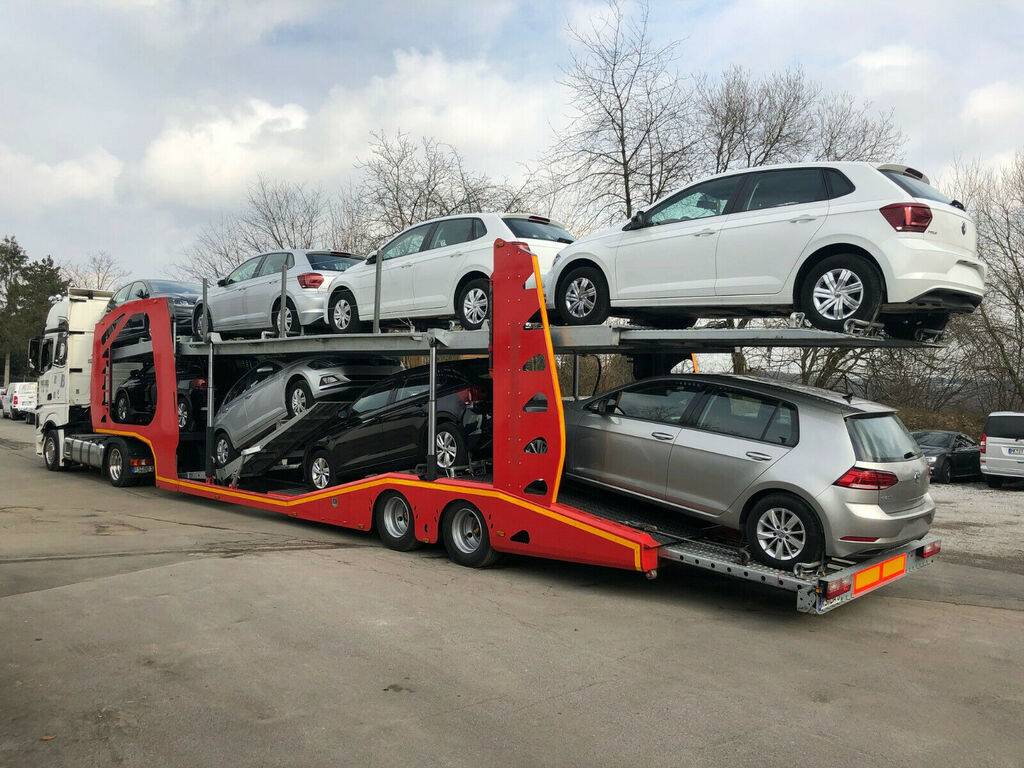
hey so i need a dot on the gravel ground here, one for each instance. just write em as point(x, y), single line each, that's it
point(980, 526)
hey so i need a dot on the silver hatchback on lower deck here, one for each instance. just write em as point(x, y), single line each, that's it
point(803, 473)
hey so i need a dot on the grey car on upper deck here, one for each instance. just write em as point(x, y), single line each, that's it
point(803, 473)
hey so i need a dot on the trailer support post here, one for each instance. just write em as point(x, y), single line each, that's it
point(575, 375)
point(377, 274)
point(209, 389)
point(281, 331)
point(431, 470)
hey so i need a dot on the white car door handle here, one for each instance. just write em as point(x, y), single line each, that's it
point(662, 435)
point(705, 232)
point(802, 219)
point(757, 456)
point(453, 255)
point(406, 266)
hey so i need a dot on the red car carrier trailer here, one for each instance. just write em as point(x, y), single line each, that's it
point(518, 507)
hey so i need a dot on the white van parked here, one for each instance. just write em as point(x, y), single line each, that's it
point(19, 402)
point(1002, 448)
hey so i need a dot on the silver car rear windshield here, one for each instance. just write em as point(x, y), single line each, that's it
point(1005, 427)
point(881, 439)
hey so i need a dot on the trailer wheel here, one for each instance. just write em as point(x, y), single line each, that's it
point(116, 466)
point(465, 535)
point(782, 531)
point(51, 450)
point(392, 515)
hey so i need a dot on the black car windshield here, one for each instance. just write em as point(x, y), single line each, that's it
point(934, 439)
point(880, 439)
point(172, 286)
point(532, 229)
point(331, 262)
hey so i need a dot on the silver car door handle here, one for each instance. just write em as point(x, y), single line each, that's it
point(705, 232)
point(662, 436)
point(802, 219)
point(758, 456)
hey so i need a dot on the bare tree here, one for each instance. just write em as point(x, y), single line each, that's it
point(627, 140)
point(99, 271)
point(281, 214)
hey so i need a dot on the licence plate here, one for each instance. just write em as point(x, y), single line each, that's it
point(1015, 451)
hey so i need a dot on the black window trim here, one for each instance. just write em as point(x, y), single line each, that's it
point(254, 272)
point(698, 395)
point(734, 205)
point(828, 171)
point(437, 224)
point(729, 206)
point(693, 414)
point(289, 260)
point(426, 239)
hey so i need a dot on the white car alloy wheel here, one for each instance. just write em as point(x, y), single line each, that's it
point(781, 534)
point(342, 314)
point(838, 294)
point(474, 306)
point(581, 297)
point(320, 472)
point(447, 449)
point(298, 401)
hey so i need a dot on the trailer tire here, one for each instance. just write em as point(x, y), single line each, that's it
point(115, 466)
point(782, 531)
point(465, 535)
point(51, 450)
point(396, 525)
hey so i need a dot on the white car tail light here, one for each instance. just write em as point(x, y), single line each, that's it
point(907, 217)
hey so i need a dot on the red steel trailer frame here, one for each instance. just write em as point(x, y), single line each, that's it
point(520, 504)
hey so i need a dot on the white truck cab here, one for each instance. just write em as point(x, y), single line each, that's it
point(62, 357)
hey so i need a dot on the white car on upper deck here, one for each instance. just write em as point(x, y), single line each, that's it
point(438, 269)
point(837, 241)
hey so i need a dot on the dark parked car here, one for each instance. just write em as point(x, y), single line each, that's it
point(950, 455)
point(135, 399)
point(182, 298)
point(385, 429)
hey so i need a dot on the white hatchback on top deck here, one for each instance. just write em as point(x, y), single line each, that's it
point(438, 269)
point(838, 241)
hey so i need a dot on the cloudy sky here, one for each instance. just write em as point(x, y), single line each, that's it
point(127, 124)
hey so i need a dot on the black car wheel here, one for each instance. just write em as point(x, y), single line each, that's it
point(394, 521)
point(184, 414)
point(286, 323)
point(319, 471)
point(473, 304)
point(994, 482)
point(343, 314)
point(841, 288)
point(944, 472)
point(122, 408)
point(782, 531)
point(201, 323)
point(449, 446)
point(582, 297)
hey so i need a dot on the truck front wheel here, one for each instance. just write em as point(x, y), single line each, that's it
point(51, 450)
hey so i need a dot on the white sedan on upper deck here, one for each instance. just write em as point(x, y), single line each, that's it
point(838, 241)
point(438, 269)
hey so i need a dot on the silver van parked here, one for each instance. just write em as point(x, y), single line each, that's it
point(1002, 448)
point(802, 472)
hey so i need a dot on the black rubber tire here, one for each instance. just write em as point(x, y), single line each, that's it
point(406, 542)
point(122, 409)
point(461, 451)
point(907, 326)
point(483, 554)
point(231, 452)
point(482, 284)
point(189, 424)
point(197, 334)
point(943, 473)
point(814, 543)
point(602, 304)
point(51, 437)
point(332, 475)
point(871, 301)
point(354, 324)
point(298, 384)
point(117, 452)
point(275, 318)
point(994, 482)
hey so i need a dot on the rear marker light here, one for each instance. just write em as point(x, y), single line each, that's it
point(838, 588)
point(310, 279)
point(907, 217)
point(931, 549)
point(860, 539)
point(860, 479)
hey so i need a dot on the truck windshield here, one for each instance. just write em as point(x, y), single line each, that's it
point(879, 439)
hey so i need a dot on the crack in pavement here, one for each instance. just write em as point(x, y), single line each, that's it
point(224, 550)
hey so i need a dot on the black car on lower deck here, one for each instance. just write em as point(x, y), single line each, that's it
point(385, 429)
point(135, 399)
point(950, 455)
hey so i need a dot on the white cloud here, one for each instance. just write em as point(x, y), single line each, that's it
point(30, 183)
point(890, 57)
point(995, 104)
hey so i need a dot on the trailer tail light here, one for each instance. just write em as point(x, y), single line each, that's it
point(931, 549)
point(838, 588)
point(310, 279)
point(197, 384)
point(859, 479)
point(907, 217)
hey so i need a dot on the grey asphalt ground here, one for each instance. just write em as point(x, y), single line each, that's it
point(140, 628)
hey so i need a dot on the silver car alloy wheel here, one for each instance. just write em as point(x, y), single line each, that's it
point(474, 306)
point(467, 530)
point(320, 472)
point(342, 315)
point(298, 401)
point(223, 451)
point(838, 294)
point(581, 297)
point(182, 414)
point(115, 463)
point(396, 517)
point(447, 449)
point(781, 533)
